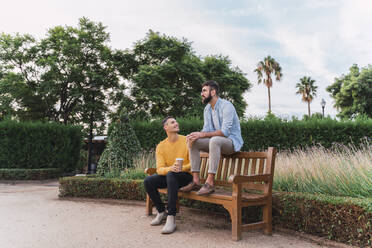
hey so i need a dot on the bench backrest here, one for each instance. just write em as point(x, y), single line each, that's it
point(242, 163)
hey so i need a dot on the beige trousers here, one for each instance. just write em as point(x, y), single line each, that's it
point(215, 146)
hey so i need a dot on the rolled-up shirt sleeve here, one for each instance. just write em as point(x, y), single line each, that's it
point(206, 122)
point(228, 117)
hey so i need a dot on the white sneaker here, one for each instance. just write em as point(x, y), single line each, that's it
point(160, 217)
point(170, 225)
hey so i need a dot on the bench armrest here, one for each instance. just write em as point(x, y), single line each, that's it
point(150, 171)
point(245, 179)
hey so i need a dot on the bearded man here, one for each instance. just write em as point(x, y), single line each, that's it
point(220, 135)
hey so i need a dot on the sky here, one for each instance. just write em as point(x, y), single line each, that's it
point(317, 38)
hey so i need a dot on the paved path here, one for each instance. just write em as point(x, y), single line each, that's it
point(32, 215)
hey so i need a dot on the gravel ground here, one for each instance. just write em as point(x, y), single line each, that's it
point(32, 215)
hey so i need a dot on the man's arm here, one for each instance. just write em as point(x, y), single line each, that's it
point(197, 135)
point(228, 117)
point(205, 125)
point(161, 168)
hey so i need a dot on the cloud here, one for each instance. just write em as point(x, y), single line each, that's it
point(321, 39)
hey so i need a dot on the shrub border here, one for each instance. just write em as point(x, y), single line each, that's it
point(29, 174)
point(344, 219)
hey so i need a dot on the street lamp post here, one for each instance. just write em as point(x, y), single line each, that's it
point(323, 103)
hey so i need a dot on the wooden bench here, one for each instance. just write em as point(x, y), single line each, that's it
point(243, 172)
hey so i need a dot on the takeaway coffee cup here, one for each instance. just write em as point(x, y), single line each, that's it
point(179, 162)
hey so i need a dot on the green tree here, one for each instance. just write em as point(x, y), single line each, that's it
point(167, 76)
point(122, 147)
point(78, 71)
point(231, 80)
point(264, 70)
point(6, 100)
point(21, 77)
point(66, 77)
point(353, 93)
point(307, 89)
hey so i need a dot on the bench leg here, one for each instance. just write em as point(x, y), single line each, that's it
point(149, 205)
point(178, 206)
point(267, 216)
point(236, 223)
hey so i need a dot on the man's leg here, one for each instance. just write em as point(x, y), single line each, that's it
point(152, 184)
point(194, 151)
point(194, 154)
point(174, 182)
point(217, 145)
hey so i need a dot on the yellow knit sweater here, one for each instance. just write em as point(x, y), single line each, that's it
point(167, 152)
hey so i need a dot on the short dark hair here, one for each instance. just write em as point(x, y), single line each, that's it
point(212, 85)
point(166, 119)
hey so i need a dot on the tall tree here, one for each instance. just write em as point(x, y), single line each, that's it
point(264, 70)
point(65, 77)
point(78, 71)
point(21, 77)
point(307, 89)
point(168, 77)
point(231, 80)
point(353, 92)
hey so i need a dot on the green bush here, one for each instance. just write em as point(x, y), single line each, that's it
point(97, 187)
point(344, 219)
point(39, 145)
point(29, 174)
point(121, 149)
point(260, 134)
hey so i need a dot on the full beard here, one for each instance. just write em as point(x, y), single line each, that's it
point(207, 99)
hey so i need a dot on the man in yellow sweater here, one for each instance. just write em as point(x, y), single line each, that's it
point(168, 174)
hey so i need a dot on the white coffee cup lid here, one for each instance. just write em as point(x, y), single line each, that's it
point(179, 159)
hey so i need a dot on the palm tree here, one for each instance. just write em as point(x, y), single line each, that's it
point(307, 89)
point(267, 67)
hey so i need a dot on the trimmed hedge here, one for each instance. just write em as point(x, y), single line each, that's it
point(29, 174)
point(344, 219)
point(260, 134)
point(96, 187)
point(39, 145)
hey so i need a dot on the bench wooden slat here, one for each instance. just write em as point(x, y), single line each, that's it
point(204, 154)
point(254, 186)
point(220, 163)
point(239, 167)
point(226, 168)
point(261, 166)
point(203, 167)
point(253, 167)
point(232, 167)
point(246, 166)
point(222, 194)
point(254, 226)
point(248, 155)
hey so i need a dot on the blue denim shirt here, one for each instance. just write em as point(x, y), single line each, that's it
point(228, 119)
